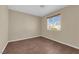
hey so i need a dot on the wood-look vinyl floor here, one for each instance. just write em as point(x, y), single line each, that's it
point(38, 45)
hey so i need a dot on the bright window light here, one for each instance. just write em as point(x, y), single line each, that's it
point(54, 23)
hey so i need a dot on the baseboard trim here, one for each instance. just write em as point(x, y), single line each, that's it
point(62, 42)
point(22, 39)
point(4, 48)
point(47, 38)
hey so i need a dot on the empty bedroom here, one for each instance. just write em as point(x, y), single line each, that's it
point(39, 29)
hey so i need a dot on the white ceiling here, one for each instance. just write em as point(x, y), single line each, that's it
point(36, 9)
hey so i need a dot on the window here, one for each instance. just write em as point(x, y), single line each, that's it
point(54, 23)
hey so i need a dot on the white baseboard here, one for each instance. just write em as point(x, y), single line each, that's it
point(23, 38)
point(48, 38)
point(4, 48)
point(62, 42)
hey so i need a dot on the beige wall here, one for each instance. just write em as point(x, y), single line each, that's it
point(69, 33)
point(3, 27)
point(23, 26)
